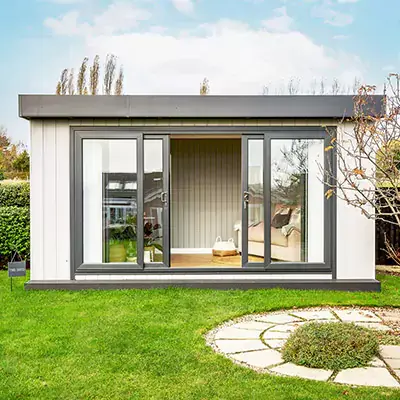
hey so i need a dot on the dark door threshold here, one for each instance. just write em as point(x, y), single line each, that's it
point(371, 285)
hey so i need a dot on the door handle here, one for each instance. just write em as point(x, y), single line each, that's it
point(246, 198)
point(164, 197)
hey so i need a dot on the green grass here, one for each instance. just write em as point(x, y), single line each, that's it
point(149, 344)
point(332, 345)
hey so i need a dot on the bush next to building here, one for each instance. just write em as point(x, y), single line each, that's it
point(14, 220)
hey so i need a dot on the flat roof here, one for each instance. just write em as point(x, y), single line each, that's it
point(195, 106)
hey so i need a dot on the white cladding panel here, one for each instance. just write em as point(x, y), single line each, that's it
point(355, 236)
point(50, 200)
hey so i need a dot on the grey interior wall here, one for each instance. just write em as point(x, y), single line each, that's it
point(205, 190)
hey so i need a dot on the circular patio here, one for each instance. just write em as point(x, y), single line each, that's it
point(255, 341)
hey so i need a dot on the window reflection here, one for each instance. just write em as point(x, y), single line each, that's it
point(109, 201)
point(255, 204)
point(297, 200)
point(153, 200)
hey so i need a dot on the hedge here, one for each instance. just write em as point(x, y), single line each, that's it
point(14, 193)
point(14, 233)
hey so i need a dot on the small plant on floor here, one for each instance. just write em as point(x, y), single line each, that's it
point(333, 346)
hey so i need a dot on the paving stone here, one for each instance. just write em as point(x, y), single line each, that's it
point(377, 362)
point(313, 315)
point(275, 335)
point(390, 351)
point(375, 325)
point(259, 359)
point(236, 333)
point(286, 327)
point(303, 372)
point(369, 376)
point(274, 343)
point(236, 346)
point(390, 316)
point(357, 316)
point(394, 363)
point(253, 325)
point(278, 318)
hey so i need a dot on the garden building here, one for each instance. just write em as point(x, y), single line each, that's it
point(196, 191)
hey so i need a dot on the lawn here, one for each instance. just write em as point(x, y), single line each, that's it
point(148, 344)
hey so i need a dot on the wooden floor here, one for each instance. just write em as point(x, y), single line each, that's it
point(208, 261)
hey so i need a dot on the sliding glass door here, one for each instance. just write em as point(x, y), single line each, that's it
point(121, 201)
point(252, 244)
point(288, 224)
point(156, 243)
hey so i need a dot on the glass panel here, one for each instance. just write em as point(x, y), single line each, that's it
point(297, 200)
point(153, 206)
point(109, 201)
point(255, 205)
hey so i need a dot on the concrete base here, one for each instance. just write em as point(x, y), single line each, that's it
point(220, 284)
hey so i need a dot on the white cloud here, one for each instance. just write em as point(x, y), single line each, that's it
point(281, 22)
point(347, 1)
point(236, 58)
point(64, 1)
point(120, 16)
point(184, 6)
point(341, 37)
point(389, 68)
point(332, 17)
point(67, 25)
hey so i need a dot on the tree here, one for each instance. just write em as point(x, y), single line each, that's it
point(109, 74)
point(316, 86)
point(368, 159)
point(119, 83)
point(81, 84)
point(14, 158)
point(205, 87)
point(94, 75)
point(66, 85)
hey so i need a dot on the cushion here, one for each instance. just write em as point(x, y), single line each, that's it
point(281, 217)
point(278, 238)
point(295, 218)
point(256, 232)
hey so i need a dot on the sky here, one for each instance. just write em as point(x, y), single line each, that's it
point(169, 46)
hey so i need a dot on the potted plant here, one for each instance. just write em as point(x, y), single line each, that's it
point(150, 241)
point(116, 250)
point(131, 252)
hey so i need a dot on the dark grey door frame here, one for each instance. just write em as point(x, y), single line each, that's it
point(245, 207)
point(166, 207)
point(329, 267)
point(329, 263)
point(77, 138)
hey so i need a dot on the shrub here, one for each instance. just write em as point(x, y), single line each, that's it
point(331, 345)
point(14, 232)
point(14, 193)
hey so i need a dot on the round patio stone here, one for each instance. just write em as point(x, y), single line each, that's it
point(255, 341)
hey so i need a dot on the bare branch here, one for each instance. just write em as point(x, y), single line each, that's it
point(368, 159)
point(64, 81)
point(119, 83)
point(205, 87)
point(322, 86)
point(293, 86)
point(71, 86)
point(335, 86)
point(109, 73)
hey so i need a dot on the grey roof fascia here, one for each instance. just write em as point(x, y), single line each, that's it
point(145, 106)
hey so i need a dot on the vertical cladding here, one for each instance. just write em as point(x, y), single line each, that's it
point(205, 190)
